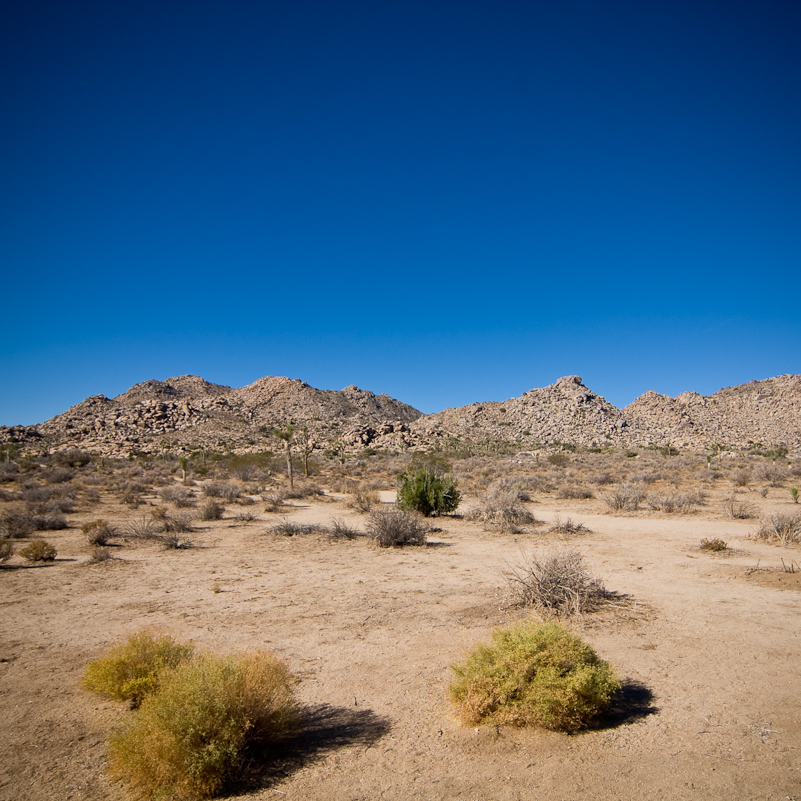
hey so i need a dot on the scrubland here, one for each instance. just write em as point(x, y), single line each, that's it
point(681, 572)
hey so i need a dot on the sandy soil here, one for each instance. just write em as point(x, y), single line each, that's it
point(709, 645)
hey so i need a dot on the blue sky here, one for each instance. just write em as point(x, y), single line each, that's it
point(445, 201)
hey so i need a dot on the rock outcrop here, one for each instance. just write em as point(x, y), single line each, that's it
point(187, 412)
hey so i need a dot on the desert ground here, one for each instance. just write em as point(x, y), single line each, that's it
point(708, 644)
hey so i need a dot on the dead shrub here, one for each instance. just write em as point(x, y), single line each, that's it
point(775, 474)
point(273, 501)
point(16, 524)
point(602, 479)
point(390, 528)
point(624, 499)
point(341, 530)
point(98, 532)
point(738, 510)
point(227, 490)
point(363, 499)
point(741, 477)
point(140, 528)
point(179, 496)
point(287, 528)
point(304, 489)
point(500, 507)
point(573, 492)
point(100, 554)
point(674, 502)
point(568, 527)
point(780, 527)
point(556, 583)
point(211, 510)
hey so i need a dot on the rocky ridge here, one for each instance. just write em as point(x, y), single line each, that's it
point(187, 412)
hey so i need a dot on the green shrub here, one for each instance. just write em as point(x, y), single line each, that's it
point(131, 670)
point(428, 492)
point(188, 738)
point(38, 551)
point(533, 674)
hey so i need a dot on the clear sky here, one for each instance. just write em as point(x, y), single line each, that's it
point(445, 201)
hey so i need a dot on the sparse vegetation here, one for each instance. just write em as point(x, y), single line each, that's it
point(211, 510)
point(501, 507)
point(363, 499)
point(533, 674)
point(624, 499)
point(568, 527)
point(6, 550)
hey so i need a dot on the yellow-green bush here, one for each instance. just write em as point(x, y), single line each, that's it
point(188, 737)
point(533, 674)
point(131, 670)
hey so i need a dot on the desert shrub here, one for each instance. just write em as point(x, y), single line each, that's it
point(16, 524)
point(780, 527)
point(674, 502)
point(174, 541)
point(738, 510)
point(363, 499)
point(180, 496)
point(134, 668)
point(341, 530)
point(131, 493)
point(98, 532)
point(568, 527)
point(559, 459)
point(500, 506)
point(189, 736)
point(395, 527)
point(100, 554)
point(49, 519)
point(741, 477)
point(428, 492)
point(273, 501)
point(533, 674)
point(72, 457)
point(557, 583)
point(58, 475)
point(304, 489)
point(794, 494)
point(38, 551)
point(211, 510)
point(626, 498)
point(771, 472)
point(140, 528)
point(286, 528)
point(227, 490)
point(6, 550)
point(602, 479)
point(246, 516)
point(536, 482)
point(713, 544)
point(173, 522)
point(572, 492)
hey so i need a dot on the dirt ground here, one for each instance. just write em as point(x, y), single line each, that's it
point(708, 645)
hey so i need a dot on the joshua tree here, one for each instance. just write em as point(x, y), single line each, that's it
point(286, 435)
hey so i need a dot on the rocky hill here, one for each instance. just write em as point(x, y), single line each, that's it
point(187, 412)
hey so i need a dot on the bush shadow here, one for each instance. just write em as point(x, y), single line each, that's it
point(633, 702)
point(321, 730)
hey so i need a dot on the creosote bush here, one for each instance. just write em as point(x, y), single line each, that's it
point(133, 669)
point(428, 492)
point(390, 528)
point(38, 551)
point(533, 674)
point(188, 738)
